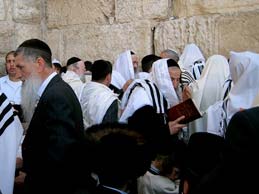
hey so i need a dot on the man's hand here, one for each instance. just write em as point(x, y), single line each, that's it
point(175, 126)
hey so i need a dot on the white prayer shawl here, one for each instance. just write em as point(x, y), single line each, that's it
point(161, 77)
point(95, 101)
point(190, 55)
point(209, 89)
point(124, 65)
point(244, 69)
point(74, 81)
point(117, 80)
point(10, 137)
point(143, 75)
point(140, 93)
point(138, 99)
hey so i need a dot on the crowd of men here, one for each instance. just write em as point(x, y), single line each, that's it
point(99, 127)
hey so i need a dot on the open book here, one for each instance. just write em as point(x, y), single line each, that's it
point(186, 108)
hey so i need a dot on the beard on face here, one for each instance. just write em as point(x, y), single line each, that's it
point(30, 97)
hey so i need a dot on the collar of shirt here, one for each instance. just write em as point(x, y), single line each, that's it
point(45, 83)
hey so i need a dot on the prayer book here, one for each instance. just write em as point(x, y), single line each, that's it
point(186, 108)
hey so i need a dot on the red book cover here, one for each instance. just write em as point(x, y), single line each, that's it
point(186, 108)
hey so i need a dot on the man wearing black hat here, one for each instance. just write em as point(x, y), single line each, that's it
point(74, 75)
point(56, 123)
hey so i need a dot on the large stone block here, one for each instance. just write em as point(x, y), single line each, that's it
point(67, 12)
point(216, 34)
point(6, 38)
point(27, 11)
point(92, 42)
point(3, 10)
point(134, 10)
point(26, 31)
point(175, 34)
point(187, 8)
point(238, 32)
point(54, 39)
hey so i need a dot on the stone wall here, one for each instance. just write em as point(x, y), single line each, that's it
point(94, 29)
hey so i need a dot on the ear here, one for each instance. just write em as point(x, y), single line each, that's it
point(40, 64)
point(108, 79)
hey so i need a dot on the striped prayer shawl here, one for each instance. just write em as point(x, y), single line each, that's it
point(197, 69)
point(10, 137)
point(6, 113)
point(186, 78)
point(158, 100)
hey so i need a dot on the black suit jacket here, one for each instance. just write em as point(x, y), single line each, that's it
point(56, 124)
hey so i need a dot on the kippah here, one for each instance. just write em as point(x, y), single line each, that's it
point(36, 44)
point(72, 60)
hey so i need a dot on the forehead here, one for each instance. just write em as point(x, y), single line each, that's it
point(174, 72)
point(134, 57)
point(11, 55)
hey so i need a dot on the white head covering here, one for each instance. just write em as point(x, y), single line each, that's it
point(161, 77)
point(190, 55)
point(117, 80)
point(124, 65)
point(209, 88)
point(244, 70)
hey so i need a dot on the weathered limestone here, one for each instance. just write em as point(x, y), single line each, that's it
point(187, 8)
point(26, 31)
point(94, 29)
point(27, 11)
point(91, 42)
point(3, 10)
point(134, 10)
point(67, 12)
point(216, 34)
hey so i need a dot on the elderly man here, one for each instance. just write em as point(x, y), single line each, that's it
point(56, 124)
point(75, 74)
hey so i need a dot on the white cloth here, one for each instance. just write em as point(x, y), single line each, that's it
point(216, 119)
point(190, 55)
point(74, 81)
point(117, 80)
point(124, 65)
point(156, 184)
point(138, 99)
point(95, 100)
point(11, 131)
point(11, 89)
point(209, 88)
point(143, 75)
point(161, 77)
point(244, 69)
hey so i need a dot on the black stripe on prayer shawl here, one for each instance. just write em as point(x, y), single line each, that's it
point(186, 78)
point(155, 105)
point(228, 82)
point(160, 102)
point(6, 110)
point(133, 87)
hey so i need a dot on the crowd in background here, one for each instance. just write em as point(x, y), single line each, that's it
point(95, 127)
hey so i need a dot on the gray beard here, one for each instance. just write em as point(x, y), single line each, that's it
point(30, 97)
